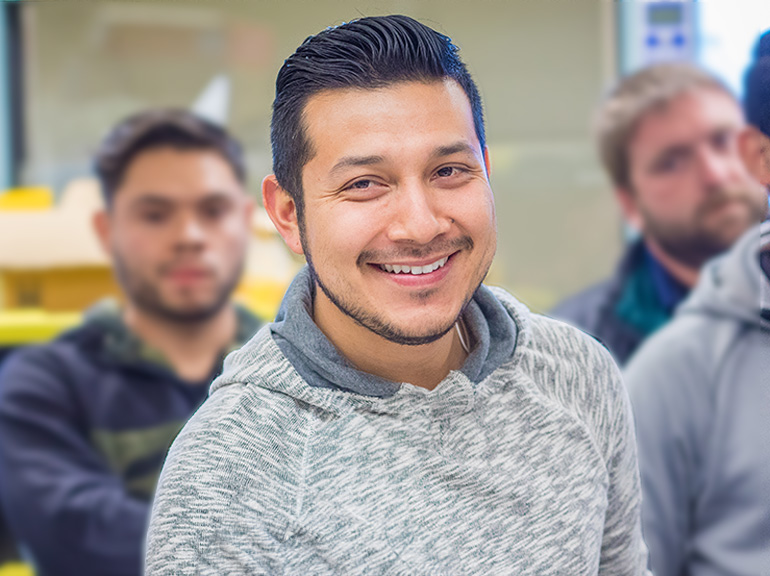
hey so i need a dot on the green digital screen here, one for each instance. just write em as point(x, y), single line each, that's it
point(668, 14)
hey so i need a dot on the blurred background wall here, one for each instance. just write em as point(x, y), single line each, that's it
point(71, 69)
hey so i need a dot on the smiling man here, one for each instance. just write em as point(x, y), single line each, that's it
point(86, 420)
point(398, 417)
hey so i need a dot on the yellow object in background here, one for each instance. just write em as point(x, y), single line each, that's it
point(16, 569)
point(26, 199)
point(29, 326)
point(262, 297)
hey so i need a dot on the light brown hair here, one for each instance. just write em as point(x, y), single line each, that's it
point(632, 99)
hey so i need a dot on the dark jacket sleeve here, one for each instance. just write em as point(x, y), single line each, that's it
point(68, 511)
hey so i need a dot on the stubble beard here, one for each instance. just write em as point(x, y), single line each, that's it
point(147, 297)
point(374, 322)
point(698, 244)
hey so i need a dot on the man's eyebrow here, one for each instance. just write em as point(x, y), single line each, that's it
point(455, 148)
point(152, 199)
point(441, 151)
point(684, 148)
point(159, 199)
point(348, 161)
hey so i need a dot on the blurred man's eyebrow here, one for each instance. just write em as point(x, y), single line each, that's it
point(687, 147)
point(158, 199)
point(152, 199)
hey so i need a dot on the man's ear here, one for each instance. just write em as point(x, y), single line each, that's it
point(487, 164)
point(755, 151)
point(101, 223)
point(630, 208)
point(282, 209)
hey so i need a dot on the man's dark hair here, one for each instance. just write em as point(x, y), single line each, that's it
point(756, 100)
point(369, 53)
point(161, 128)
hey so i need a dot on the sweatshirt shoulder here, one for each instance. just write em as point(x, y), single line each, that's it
point(53, 366)
point(680, 358)
point(569, 368)
point(239, 422)
point(239, 456)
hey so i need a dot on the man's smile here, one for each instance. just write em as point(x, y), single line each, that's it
point(414, 269)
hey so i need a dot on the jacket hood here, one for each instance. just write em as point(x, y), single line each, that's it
point(263, 363)
point(735, 285)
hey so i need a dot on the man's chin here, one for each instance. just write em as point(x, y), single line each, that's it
point(183, 314)
point(410, 339)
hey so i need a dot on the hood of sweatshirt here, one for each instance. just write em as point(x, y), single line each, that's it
point(492, 330)
point(314, 372)
point(736, 285)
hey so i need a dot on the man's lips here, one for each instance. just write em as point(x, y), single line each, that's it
point(416, 273)
point(188, 274)
point(415, 268)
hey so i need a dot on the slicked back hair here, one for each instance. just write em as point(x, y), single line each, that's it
point(632, 99)
point(161, 128)
point(369, 53)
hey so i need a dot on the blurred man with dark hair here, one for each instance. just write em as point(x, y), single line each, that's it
point(86, 420)
point(398, 417)
point(701, 395)
point(668, 139)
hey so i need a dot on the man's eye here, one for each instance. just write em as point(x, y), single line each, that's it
point(720, 140)
point(214, 212)
point(154, 217)
point(446, 171)
point(361, 184)
point(669, 164)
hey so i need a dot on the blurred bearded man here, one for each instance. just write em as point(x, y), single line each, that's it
point(668, 138)
point(86, 420)
point(700, 392)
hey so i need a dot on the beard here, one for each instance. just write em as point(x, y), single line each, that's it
point(147, 297)
point(699, 242)
point(377, 323)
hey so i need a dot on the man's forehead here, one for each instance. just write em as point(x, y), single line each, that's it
point(178, 175)
point(690, 114)
point(329, 111)
point(711, 104)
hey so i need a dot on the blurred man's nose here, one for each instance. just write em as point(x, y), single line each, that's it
point(190, 232)
point(716, 167)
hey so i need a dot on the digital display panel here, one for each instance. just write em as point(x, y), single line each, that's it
point(664, 14)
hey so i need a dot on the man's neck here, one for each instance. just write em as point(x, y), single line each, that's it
point(190, 348)
point(683, 273)
point(425, 365)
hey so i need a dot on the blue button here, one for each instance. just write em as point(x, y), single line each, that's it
point(679, 40)
point(652, 41)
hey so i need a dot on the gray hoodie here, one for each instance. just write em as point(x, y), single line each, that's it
point(700, 389)
point(529, 470)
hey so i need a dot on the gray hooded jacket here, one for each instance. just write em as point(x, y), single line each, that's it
point(700, 390)
point(527, 470)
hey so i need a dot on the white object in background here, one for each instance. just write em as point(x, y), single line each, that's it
point(654, 31)
point(214, 102)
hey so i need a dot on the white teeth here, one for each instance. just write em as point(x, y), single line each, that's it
point(414, 270)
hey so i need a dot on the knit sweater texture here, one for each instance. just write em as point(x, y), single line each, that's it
point(531, 471)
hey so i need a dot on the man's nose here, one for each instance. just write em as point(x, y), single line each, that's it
point(190, 232)
point(716, 169)
point(417, 215)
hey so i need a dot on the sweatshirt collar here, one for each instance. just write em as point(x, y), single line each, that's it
point(320, 364)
